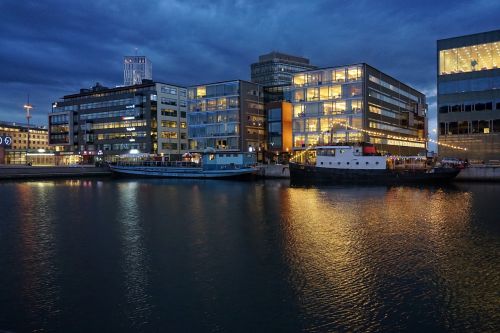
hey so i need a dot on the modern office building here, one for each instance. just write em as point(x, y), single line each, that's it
point(468, 100)
point(148, 118)
point(136, 69)
point(357, 103)
point(227, 116)
point(277, 68)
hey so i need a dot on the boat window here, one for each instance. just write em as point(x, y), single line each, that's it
point(211, 157)
point(330, 163)
point(326, 152)
point(338, 163)
point(357, 163)
point(221, 155)
point(367, 163)
point(347, 162)
point(376, 162)
point(235, 155)
point(321, 163)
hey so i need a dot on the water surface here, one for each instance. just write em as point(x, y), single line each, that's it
point(222, 256)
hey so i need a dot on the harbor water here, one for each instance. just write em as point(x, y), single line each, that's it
point(224, 256)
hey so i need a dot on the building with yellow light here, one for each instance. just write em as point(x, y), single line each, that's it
point(357, 103)
point(468, 99)
point(25, 141)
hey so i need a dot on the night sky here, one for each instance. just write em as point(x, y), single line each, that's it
point(49, 48)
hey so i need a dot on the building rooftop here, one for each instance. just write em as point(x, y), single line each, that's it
point(276, 56)
point(21, 125)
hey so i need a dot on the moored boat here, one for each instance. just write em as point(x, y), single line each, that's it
point(362, 164)
point(212, 165)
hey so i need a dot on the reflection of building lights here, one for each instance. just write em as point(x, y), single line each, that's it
point(134, 151)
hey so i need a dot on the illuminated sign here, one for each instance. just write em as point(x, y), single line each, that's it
point(130, 107)
point(5, 141)
point(130, 129)
point(127, 118)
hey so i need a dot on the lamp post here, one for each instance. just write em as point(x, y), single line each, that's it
point(28, 108)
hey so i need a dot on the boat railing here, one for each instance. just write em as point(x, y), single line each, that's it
point(172, 164)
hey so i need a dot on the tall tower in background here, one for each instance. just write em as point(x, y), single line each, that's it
point(135, 69)
point(277, 68)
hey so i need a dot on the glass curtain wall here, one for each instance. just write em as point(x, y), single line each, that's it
point(214, 116)
point(324, 101)
point(469, 58)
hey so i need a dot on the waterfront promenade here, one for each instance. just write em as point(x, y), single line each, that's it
point(31, 172)
point(268, 171)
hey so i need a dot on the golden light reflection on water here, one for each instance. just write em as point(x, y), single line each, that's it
point(134, 255)
point(38, 248)
point(344, 245)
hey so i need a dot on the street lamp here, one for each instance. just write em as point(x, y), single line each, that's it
point(28, 108)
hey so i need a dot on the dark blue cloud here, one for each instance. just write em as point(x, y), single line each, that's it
point(55, 47)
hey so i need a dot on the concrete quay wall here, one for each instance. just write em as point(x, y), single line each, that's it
point(274, 171)
point(480, 173)
point(31, 172)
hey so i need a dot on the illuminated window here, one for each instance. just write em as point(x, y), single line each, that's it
point(298, 110)
point(299, 141)
point(299, 95)
point(335, 91)
point(340, 106)
point(167, 123)
point(469, 58)
point(354, 73)
point(201, 92)
point(339, 75)
point(327, 108)
point(221, 103)
point(312, 124)
point(312, 94)
point(324, 93)
point(312, 139)
point(299, 79)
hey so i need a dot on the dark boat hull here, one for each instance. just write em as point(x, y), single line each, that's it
point(310, 174)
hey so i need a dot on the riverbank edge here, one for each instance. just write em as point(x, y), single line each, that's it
point(269, 171)
point(35, 172)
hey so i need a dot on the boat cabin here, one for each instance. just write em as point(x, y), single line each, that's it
point(225, 160)
point(362, 157)
point(348, 157)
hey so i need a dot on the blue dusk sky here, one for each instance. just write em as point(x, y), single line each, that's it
point(50, 48)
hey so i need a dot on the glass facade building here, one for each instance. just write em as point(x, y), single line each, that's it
point(277, 68)
point(357, 103)
point(468, 82)
point(226, 116)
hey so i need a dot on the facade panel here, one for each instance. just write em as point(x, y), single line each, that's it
point(468, 83)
